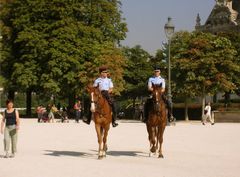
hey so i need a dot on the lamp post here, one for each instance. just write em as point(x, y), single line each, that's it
point(1, 88)
point(1, 91)
point(0, 50)
point(169, 31)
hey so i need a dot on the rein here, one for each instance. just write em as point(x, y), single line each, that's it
point(95, 105)
point(157, 101)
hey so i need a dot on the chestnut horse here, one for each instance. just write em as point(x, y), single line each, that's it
point(157, 120)
point(102, 116)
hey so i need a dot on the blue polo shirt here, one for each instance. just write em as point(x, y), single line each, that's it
point(104, 83)
point(156, 81)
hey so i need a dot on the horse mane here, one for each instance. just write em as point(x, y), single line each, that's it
point(157, 86)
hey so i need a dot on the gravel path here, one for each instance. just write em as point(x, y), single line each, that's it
point(70, 150)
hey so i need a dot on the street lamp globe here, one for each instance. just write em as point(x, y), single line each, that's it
point(169, 28)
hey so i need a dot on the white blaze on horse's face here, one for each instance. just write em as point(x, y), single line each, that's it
point(157, 96)
point(92, 109)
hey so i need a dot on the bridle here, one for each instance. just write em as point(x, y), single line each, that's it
point(157, 99)
point(95, 101)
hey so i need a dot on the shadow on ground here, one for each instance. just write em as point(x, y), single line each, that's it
point(67, 153)
point(126, 153)
point(94, 155)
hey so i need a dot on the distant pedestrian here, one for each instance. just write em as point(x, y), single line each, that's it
point(50, 110)
point(39, 112)
point(141, 111)
point(207, 114)
point(77, 109)
point(10, 126)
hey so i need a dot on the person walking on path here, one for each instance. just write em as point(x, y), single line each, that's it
point(207, 114)
point(10, 126)
point(39, 112)
point(77, 109)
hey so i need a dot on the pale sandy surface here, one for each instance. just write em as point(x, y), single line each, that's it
point(69, 150)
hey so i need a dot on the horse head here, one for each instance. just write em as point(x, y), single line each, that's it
point(157, 97)
point(96, 98)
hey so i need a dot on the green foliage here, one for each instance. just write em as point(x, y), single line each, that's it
point(137, 71)
point(235, 40)
point(56, 46)
point(203, 60)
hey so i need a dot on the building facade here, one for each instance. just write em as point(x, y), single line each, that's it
point(224, 17)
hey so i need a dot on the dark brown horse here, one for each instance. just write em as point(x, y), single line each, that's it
point(157, 120)
point(102, 116)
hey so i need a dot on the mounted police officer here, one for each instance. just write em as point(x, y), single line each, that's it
point(156, 80)
point(106, 87)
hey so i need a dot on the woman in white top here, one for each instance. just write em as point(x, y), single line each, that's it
point(207, 114)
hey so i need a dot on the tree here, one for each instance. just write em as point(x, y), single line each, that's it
point(206, 63)
point(137, 71)
point(56, 46)
point(235, 40)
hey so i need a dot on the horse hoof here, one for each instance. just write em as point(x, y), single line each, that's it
point(100, 157)
point(150, 154)
point(160, 156)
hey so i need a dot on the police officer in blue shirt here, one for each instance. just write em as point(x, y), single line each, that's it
point(106, 87)
point(156, 80)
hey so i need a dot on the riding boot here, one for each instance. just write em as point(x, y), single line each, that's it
point(169, 107)
point(146, 107)
point(170, 115)
point(89, 118)
point(112, 104)
point(114, 123)
point(114, 116)
point(145, 113)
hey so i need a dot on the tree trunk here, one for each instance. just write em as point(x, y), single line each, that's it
point(134, 110)
point(11, 94)
point(215, 98)
point(71, 100)
point(28, 103)
point(226, 99)
point(186, 109)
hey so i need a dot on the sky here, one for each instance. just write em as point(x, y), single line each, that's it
point(146, 19)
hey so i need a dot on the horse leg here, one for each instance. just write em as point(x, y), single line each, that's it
point(105, 142)
point(156, 139)
point(149, 138)
point(160, 137)
point(153, 148)
point(99, 136)
point(152, 141)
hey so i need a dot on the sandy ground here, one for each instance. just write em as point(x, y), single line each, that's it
point(69, 150)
